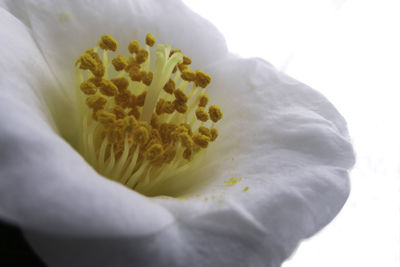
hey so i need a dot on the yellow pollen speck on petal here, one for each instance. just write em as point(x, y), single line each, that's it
point(107, 42)
point(150, 39)
point(232, 181)
point(245, 189)
point(64, 17)
point(119, 63)
point(143, 117)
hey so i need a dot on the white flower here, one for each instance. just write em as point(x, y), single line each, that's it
point(277, 174)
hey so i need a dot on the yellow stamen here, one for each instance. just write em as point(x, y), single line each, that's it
point(150, 39)
point(107, 42)
point(137, 121)
point(120, 63)
point(215, 113)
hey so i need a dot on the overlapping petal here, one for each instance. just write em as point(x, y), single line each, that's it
point(283, 143)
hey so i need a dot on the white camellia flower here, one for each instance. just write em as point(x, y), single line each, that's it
point(276, 174)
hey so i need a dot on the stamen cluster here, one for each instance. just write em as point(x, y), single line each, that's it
point(143, 121)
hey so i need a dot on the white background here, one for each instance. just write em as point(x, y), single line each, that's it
point(349, 51)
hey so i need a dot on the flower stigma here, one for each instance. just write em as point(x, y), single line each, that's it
point(144, 116)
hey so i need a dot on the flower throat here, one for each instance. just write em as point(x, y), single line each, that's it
point(144, 119)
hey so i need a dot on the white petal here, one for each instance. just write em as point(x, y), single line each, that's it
point(46, 186)
point(65, 29)
point(289, 149)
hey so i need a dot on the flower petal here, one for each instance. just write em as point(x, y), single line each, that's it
point(65, 29)
point(46, 186)
point(287, 149)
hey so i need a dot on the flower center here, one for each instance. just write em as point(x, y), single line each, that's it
point(144, 119)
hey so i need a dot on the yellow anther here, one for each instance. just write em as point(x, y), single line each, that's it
point(168, 107)
point(114, 135)
point(108, 88)
point(135, 74)
point(187, 127)
point(203, 101)
point(119, 63)
point(169, 87)
point(202, 79)
point(135, 112)
point(106, 118)
point(180, 96)
point(147, 78)
point(141, 135)
point(182, 67)
point(140, 99)
point(188, 75)
point(214, 134)
point(174, 134)
point(119, 112)
point(107, 42)
point(96, 101)
point(154, 152)
point(141, 56)
point(132, 64)
point(88, 88)
point(150, 39)
point(169, 154)
point(160, 106)
point(201, 114)
point(173, 51)
point(187, 60)
point(205, 131)
point(123, 98)
point(87, 62)
point(180, 107)
point(98, 71)
point(121, 83)
point(130, 124)
point(134, 46)
point(95, 80)
point(215, 113)
point(186, 140)
point(187, 154)
point(155, 121)
point(200, 140)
